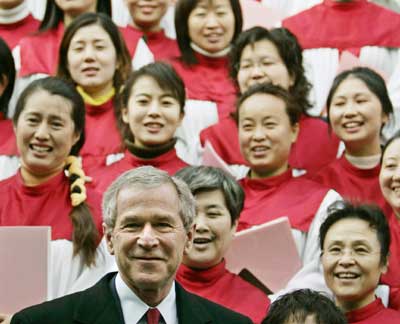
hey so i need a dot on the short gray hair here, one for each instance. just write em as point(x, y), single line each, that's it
point(148, 177)
point(206, 178)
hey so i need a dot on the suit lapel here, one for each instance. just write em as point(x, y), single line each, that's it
point(190, 311)
point(97, 305)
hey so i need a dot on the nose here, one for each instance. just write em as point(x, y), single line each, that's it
point(89, 53)
point(147, 238)
point(349, 110)
point(212, 20)
point(42, 131)
point(201, 223)
point(346, 258)
point(154, 109)
point(257, 72)
point(259, 133)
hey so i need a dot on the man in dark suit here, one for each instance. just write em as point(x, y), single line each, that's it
point(148, 218)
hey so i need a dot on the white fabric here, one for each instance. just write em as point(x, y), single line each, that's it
point(142, 56)
point(133, 308)
point(9, 16)
point(310, 275)
point(8, 166)
point(198, 115)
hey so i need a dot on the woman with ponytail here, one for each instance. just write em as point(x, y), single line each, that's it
point(49, 187)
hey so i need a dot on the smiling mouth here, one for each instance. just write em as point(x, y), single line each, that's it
point(153, 127)
point(202, 240)
point(347, 275)
point(353, 125)
point(40, 148)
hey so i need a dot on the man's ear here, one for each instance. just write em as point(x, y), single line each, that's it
point(189, 239)
point(109, 239)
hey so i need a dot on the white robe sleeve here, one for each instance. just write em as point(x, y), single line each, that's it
point(8, 166)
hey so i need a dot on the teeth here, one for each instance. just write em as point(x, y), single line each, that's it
point(41, 148)
point(259, 149)
point(351, 124)
point(201, 240)
point(347, 275)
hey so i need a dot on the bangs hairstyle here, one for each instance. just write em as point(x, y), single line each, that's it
point(183, 8)
point(7, 74)
point(166, 78)
point(64, 89)
point(289, 51)
point(374, 82)
point(291, 106)
point(205, 178)
point(371, 214)
point(54, 15)
point(395, 137)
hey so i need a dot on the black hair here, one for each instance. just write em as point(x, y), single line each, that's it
point(54, 15)
point(289, 51)
point(183, 8)
point(292, 109)
point(394, 137)
point(206, 178)
point(7, 71)
point(296, 306)
point(371, 214)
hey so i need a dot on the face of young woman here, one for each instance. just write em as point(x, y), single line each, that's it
point(265, 134)
point(259, 63)
point(45, 134)
point(351, 262)
point(212, 25)
point(389, 177)
point(356, 116)
point(92, 60)
point(213, 231)
point(153, 114)
point(147, 14)
point(76, 7)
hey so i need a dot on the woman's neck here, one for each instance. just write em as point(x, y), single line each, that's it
point(201, 51)
point(13, 15)
point(348, 306)
point(32, 179)
point(146, 29)
point(263, 174)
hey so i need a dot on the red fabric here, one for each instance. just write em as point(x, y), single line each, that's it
point(225, 288)
point(12, 33)
point(103, 176)
point(352, 183)
point(46, 204)
point(209, 80)
point(282, 195)
point(392, 276)
point(314, 141)
point(8, 145)
point(160, 45)
point(39, 52)
point(374, 313)
point(394, 298)
point(346, 26)
point(153, 316)
point(102, 135)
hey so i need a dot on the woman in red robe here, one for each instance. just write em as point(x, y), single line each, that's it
point(219, 201)
point(94, 57)
point(354, 241)
point(152, 108)
point(358, 108)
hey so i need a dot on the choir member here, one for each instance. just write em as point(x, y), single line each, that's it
point(49, 126)
point(358, 108)
point(152, 100)
point(355, 241)
point(39, 52)
point(389, 179)
point(16, 21)
point(267, 118)
point(205, 30)
point(219, 201)
point(258, 56)
point(146, 24)
point(94, 57)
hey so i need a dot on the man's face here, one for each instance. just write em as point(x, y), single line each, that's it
point(149, 237)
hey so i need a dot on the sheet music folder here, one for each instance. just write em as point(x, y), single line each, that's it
point(268, 251)
point(24, 260)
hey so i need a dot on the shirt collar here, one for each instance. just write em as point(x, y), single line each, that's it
point(133, 308)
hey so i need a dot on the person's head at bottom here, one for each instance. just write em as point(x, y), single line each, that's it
point(304, 306)
point(148, 219)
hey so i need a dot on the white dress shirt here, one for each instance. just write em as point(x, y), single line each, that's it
point(133, 308)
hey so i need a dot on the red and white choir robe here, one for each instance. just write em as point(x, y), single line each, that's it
point(166, 160)
point(305, 203)
point(9, 161)
point(102, 136)
point(209, 80)
point(373, 313)
point(315, 146)
point(12, 32)
point(159, 44)
point(225, 288)
point(49, 204)
point(39, 52)
point(352, 183)
point(345, 26)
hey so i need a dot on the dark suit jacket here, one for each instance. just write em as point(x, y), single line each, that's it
point(98, 305)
